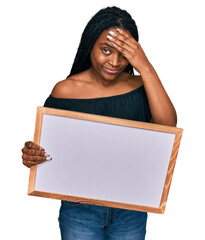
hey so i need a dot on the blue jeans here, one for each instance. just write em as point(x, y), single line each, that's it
point(80, 221)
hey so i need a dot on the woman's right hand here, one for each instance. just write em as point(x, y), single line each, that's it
point(33, 154)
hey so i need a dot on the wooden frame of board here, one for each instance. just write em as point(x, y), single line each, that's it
point(103, 121)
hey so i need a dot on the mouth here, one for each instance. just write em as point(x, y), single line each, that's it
point(111, 71)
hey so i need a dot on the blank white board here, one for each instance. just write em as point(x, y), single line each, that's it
point(106, 162)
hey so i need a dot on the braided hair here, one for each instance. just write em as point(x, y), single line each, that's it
point(102, 20)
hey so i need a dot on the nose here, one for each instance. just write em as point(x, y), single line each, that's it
point(114, 60)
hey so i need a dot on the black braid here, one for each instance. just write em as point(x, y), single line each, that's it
point(102, 20)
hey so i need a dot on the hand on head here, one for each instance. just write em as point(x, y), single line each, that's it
point(123, 41)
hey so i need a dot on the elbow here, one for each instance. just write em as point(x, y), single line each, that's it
point(173, 121)
point(168, 118)
point(168, 121)
point(172, 124)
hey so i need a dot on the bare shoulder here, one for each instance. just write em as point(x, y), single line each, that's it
point(62, 88)
point(69, 87)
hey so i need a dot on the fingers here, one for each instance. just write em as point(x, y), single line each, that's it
point(29, 160)
point(126, 37)
point(122, 50)
point(118, 44)
point(124, 43)
point(31, 163)
point(33, 154)
point(32, 145)
point(123, 39)
point(33, 158)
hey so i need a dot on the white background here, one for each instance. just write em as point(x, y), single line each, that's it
point(38, 43)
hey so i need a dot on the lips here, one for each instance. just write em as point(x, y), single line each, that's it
point(112, 71)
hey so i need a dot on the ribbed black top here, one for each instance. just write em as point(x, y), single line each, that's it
point(132, 105)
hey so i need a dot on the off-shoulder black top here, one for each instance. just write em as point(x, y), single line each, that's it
point(132, 105)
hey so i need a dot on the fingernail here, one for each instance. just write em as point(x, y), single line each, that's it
point(112, 33)
point(47, 154)
point(119, 30)
point(109, 37)
point(113, 44)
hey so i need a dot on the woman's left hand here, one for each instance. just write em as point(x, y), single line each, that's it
point(123, 41)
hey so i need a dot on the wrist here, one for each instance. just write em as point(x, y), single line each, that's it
point(147, 69)
point(147, 73)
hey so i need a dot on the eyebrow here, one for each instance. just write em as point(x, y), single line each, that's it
point(106, 44)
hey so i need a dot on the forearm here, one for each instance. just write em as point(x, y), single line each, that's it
point(162, 110)
point(161, 107)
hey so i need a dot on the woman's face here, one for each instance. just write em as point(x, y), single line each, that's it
point(107, 62)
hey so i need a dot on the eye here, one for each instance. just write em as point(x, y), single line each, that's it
point(106, 51)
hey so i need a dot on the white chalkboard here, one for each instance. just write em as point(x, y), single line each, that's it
point(104, 161)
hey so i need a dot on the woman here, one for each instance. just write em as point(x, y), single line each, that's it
point(102, 82)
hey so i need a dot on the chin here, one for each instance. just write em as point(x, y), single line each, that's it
point(109, 76)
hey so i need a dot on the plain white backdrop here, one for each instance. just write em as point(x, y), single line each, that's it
point(38, 43)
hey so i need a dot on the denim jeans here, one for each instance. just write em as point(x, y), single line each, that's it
point(80, 221)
